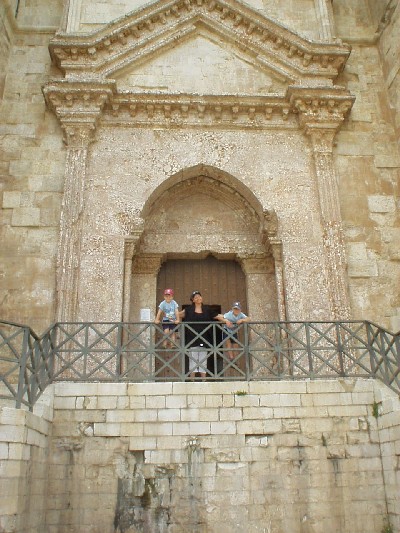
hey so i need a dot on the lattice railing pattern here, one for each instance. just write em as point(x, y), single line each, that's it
point(142, 352)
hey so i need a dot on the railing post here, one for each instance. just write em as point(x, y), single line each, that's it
point(118, 349)
point(340, 348)
point(309, 354)
point(35, 377)
point(246, 351)
point(371, 350)
point(22, 378)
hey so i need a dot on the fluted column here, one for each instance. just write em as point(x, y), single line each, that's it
point(71, 16)
point(321, 112)
point(275, 246)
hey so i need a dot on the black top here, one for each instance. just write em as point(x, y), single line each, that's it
point(207, 315)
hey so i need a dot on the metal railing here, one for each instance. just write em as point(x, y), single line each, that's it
point(142, 352)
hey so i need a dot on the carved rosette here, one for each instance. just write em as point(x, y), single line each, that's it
point(321, 112)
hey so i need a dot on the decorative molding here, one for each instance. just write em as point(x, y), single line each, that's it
point(239, 111)
point(81, 105)
point(140, 34)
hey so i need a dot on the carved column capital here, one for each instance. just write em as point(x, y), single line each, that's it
point(78, 106)
point(321, 112)
point(270, 222)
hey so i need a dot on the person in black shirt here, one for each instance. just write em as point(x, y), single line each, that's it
point(197, 346)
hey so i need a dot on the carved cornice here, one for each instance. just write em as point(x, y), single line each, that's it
point(191, 109)
point(78, 106)
point(131, 39)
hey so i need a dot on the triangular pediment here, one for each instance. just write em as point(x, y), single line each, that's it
point(202, 65)
point(148, 32)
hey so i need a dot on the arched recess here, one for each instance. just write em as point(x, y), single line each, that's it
point(203, 211)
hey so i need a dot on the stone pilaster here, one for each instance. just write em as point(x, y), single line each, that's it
point(78, 107)
point(277, 253)
point(321, 113)
point(274, 244)
point(131, 246)
point(145, 268)
point(259, 273)
point(71, 16)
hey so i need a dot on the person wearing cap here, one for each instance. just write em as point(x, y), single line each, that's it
point(232, 320)
point(168, 312)
point(198, 337)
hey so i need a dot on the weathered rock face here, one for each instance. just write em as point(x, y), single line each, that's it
point(248, 131)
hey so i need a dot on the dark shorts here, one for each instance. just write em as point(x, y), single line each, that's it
point(231, 336)
point(169, 325)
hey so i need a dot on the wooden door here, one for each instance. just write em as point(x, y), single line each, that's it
point(220, 282)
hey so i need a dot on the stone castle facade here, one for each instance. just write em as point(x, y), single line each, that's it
point(241, 148)
point(260, 133)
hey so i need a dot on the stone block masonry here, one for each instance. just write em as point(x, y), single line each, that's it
point(309, 456)
point(24, 446)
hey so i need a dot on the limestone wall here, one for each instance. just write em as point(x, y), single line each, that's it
point(24, 447)
point(305, 456)
point(389, 435)
point(389, 46)
point(368, 160)
point(319, 456)
point(32, 163)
